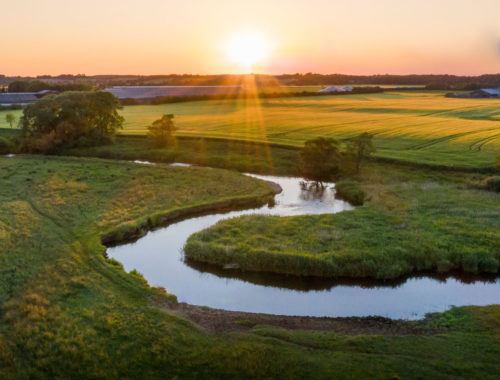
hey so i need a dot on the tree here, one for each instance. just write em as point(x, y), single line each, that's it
point(70, 119)
point(161, 131)
point(11, 119)
point(320, 160)
point(359, 148)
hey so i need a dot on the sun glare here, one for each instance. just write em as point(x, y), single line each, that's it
point(247, 49)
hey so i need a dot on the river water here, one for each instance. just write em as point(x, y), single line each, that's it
point(159, 257)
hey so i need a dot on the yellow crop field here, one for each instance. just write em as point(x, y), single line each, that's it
point(422, 126)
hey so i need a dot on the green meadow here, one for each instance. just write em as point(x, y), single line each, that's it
point(68, 312)
point(3, 122)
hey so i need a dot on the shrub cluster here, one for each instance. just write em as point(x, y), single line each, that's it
point(326, 159)
point(350, 191)
point(70, 119)
point(160, 133)
point(491, 184)
point(5, 145)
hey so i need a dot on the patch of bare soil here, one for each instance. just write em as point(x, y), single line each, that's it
point(223, 321)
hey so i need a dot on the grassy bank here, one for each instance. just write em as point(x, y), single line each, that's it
point(66, 312)
point(415, 220)
point(226, 154)
point(220, 153)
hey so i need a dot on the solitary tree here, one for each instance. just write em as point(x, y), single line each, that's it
point(320, 160)
point(161, 131)
point(11, 119)
point(359, 148)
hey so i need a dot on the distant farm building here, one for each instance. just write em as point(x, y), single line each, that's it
point(336, 89)
point(151, 92)
point(21, 98)
point(481, 93)
point(485, 93)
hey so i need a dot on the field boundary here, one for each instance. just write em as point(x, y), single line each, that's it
point(484, 169)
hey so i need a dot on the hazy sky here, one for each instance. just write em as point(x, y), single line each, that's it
point(188, 36)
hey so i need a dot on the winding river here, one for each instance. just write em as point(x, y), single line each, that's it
point(159, 257)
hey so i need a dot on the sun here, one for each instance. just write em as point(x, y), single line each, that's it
point(247, 49)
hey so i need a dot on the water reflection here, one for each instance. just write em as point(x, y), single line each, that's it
point(307, 283)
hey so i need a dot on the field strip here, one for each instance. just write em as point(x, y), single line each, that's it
point(483, 141)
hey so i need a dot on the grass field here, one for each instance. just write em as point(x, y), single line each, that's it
point(67, 312)
point(226, 154)
point(415, 221)
point(423, 127)
point(3, 122)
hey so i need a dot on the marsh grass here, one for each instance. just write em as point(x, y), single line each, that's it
point(67, 312)
point(350, 191)
point(227, 154)
point(415, 221)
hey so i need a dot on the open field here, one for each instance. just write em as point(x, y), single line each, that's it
point(415, 221)
point(422, 127)
point(16, 113)
point(66, 312)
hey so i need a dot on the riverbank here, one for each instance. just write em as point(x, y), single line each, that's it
point(128, 234)
point(223, 321)
point(66, 311)
point(414, 221)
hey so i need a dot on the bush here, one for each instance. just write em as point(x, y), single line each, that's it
point(492, 183)
point(5, 145)
point(350, 191)
point(161, 132)
point(360, 148)
point(320, 160)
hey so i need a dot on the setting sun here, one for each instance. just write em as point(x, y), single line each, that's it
point(247, 49)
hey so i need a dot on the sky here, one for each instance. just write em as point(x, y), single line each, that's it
point(192, 36)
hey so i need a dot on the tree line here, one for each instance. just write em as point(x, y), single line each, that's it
point(298, 79)
point(37, 85)
point(244, 95)
point(487, 80)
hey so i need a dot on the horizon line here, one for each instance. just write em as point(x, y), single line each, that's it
point(241, 74)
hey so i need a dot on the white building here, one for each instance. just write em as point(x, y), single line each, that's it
point(336, 89)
